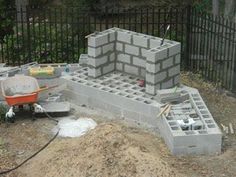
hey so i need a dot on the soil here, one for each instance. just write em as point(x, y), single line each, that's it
point(115, 148)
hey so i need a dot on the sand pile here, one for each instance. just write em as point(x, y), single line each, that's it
point(109, 150)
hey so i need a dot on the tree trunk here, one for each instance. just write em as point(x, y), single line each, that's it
point(215, 7)
point(229, 11)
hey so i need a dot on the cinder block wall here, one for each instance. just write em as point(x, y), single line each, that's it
point(137, 54)
point(101, 53)
point(163, 67)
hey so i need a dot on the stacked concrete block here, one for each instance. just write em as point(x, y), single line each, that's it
point(204, 137)
point(131, 48)
point(136, 54)
point(162, 67)
point(101, 53)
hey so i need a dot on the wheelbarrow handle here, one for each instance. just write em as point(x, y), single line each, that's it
point(45, 88)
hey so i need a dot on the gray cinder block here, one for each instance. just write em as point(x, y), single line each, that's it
point(130, 49)
point(140, 40)
point(123, 36)
point(131, 69)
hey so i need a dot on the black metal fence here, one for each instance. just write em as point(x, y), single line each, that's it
point(49, 35)
point(212, 49)
point(58, 35)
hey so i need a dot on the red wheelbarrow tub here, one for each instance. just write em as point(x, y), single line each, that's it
point(19, 90)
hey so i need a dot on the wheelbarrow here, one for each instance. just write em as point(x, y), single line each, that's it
point(21, 90)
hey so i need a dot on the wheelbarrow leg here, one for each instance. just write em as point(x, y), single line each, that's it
point(32, 112)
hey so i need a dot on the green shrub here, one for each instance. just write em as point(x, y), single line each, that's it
point(45, 42)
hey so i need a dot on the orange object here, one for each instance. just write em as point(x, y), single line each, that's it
point(20, 90)
point(24, 99)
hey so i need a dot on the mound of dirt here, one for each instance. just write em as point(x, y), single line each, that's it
point(109, 150)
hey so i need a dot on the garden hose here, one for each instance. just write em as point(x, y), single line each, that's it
point(42, 148)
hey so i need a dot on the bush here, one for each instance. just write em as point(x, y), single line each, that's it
point(45, 41)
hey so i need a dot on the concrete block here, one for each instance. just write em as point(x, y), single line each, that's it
point(155, 42)
point(119, 46)
point(167, 84)
point(95, 62)
point(175, 49)
point(129, 49)
point(177, 59)
point(174, 71)
point(112, 57)
point(123, 58)
point(155, 55)
point(123, 36)
point(112, 36)
point(92, 72)
point(140, 40)
point(139, 62)
point(119, 66)
point(167, 63)
point(144, 52)
point(156, 78)
point(176, 79)
point(150, 89)
point(153, 68)
point(55, 107)
point(143, 72)
point(108, 68)
point(94, 52)
point(108, 47)
point(97, 40)
point(131, 69)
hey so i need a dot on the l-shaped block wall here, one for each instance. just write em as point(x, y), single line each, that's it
point(136, 54)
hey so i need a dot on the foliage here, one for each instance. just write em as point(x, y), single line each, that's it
point(45, 41)
point(6, 18)
point(3, 111)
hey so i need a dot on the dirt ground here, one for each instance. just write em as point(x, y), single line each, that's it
point(115, 148)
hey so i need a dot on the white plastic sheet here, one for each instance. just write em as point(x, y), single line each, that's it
point(75, 128)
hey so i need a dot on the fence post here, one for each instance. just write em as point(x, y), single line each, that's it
point(28, 34)
point(234, 60)
point(106, 16)
point(188, 31)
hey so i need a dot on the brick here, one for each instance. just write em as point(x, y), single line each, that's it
point(174, 70)
point(108, 68)
point(175, 49)
point(98, 40)
point(140, 40)
point(131, 69)
point(112, 36)
point(123, 36)
point(129, 49)
point(95, 62)
point(108, 47)
point(119, 66)
point(123, 58)
point(153, 68)
point(167, 84)
point(139, 62)
point(155, 42)
point(119, 46)
point(167, 63)
point(94, 52)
